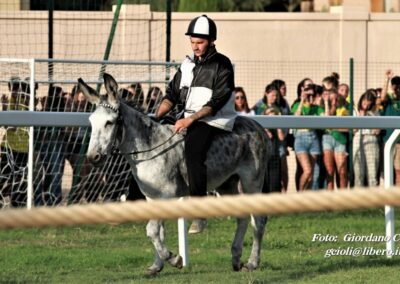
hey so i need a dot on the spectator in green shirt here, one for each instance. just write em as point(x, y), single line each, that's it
point(391, 102)
point(334, 141)
point(306, 145)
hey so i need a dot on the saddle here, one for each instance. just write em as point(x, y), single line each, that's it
point(169, 119)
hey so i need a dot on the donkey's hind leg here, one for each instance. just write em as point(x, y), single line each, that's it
point(231, 186)
point(258, 223)
point(254, 184)
point(155, 231)
point(237, 245)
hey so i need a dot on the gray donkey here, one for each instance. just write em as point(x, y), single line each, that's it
point(155, 154)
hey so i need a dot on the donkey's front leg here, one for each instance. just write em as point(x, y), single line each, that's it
point(155, 231)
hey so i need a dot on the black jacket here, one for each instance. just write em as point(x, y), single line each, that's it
point(214, 72)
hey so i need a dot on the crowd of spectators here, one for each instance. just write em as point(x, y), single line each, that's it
point(322, 156)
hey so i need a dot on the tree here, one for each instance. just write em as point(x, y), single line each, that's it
point(237, 5)
point(251, 5)
point(198, 6)
point(213, 5)
point(282, 6)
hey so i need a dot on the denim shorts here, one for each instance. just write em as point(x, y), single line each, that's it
point(307, 142)
point(396, 158)
point(330, 144)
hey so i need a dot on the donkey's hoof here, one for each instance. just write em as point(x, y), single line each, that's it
point(153, 270)
point(176, 261)
point(237, 266)
point(249, 267)
point(197, 226)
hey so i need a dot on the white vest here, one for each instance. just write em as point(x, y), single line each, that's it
point(197, 97)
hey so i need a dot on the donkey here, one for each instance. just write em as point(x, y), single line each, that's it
point(155, 154)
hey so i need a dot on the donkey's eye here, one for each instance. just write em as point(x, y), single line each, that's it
point(109, 123)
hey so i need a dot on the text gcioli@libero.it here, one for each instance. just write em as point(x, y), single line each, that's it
point(356, 251)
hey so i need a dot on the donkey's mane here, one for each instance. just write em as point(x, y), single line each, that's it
point(134, 105)
point(136, 116)
point(136, 109)
point(131, 104)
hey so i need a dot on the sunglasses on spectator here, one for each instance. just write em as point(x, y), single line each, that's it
point(239, 97)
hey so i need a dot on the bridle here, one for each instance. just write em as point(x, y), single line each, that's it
point(114, 148)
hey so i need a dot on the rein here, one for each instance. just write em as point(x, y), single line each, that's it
point(115, 150)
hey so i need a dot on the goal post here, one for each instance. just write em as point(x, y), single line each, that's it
point(20, 74)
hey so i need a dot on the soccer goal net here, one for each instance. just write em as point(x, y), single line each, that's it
point(82, 30)
point(46, 165)
point(59, 172)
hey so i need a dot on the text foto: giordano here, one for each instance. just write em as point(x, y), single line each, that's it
point(369, 238)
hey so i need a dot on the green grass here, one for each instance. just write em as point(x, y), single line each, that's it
point(120, 253)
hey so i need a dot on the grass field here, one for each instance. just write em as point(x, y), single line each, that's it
point(120, 253)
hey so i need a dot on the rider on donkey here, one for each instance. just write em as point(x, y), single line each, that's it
point(204, 86)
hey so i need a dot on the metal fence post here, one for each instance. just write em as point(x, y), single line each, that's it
point(351, 93)
point(388, 177)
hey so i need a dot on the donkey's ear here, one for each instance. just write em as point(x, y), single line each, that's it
point(90, 93)
point(111, 87)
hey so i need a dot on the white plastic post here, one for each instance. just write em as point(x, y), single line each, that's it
point(29, 193)
point(388, 177)
point(183, 240)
